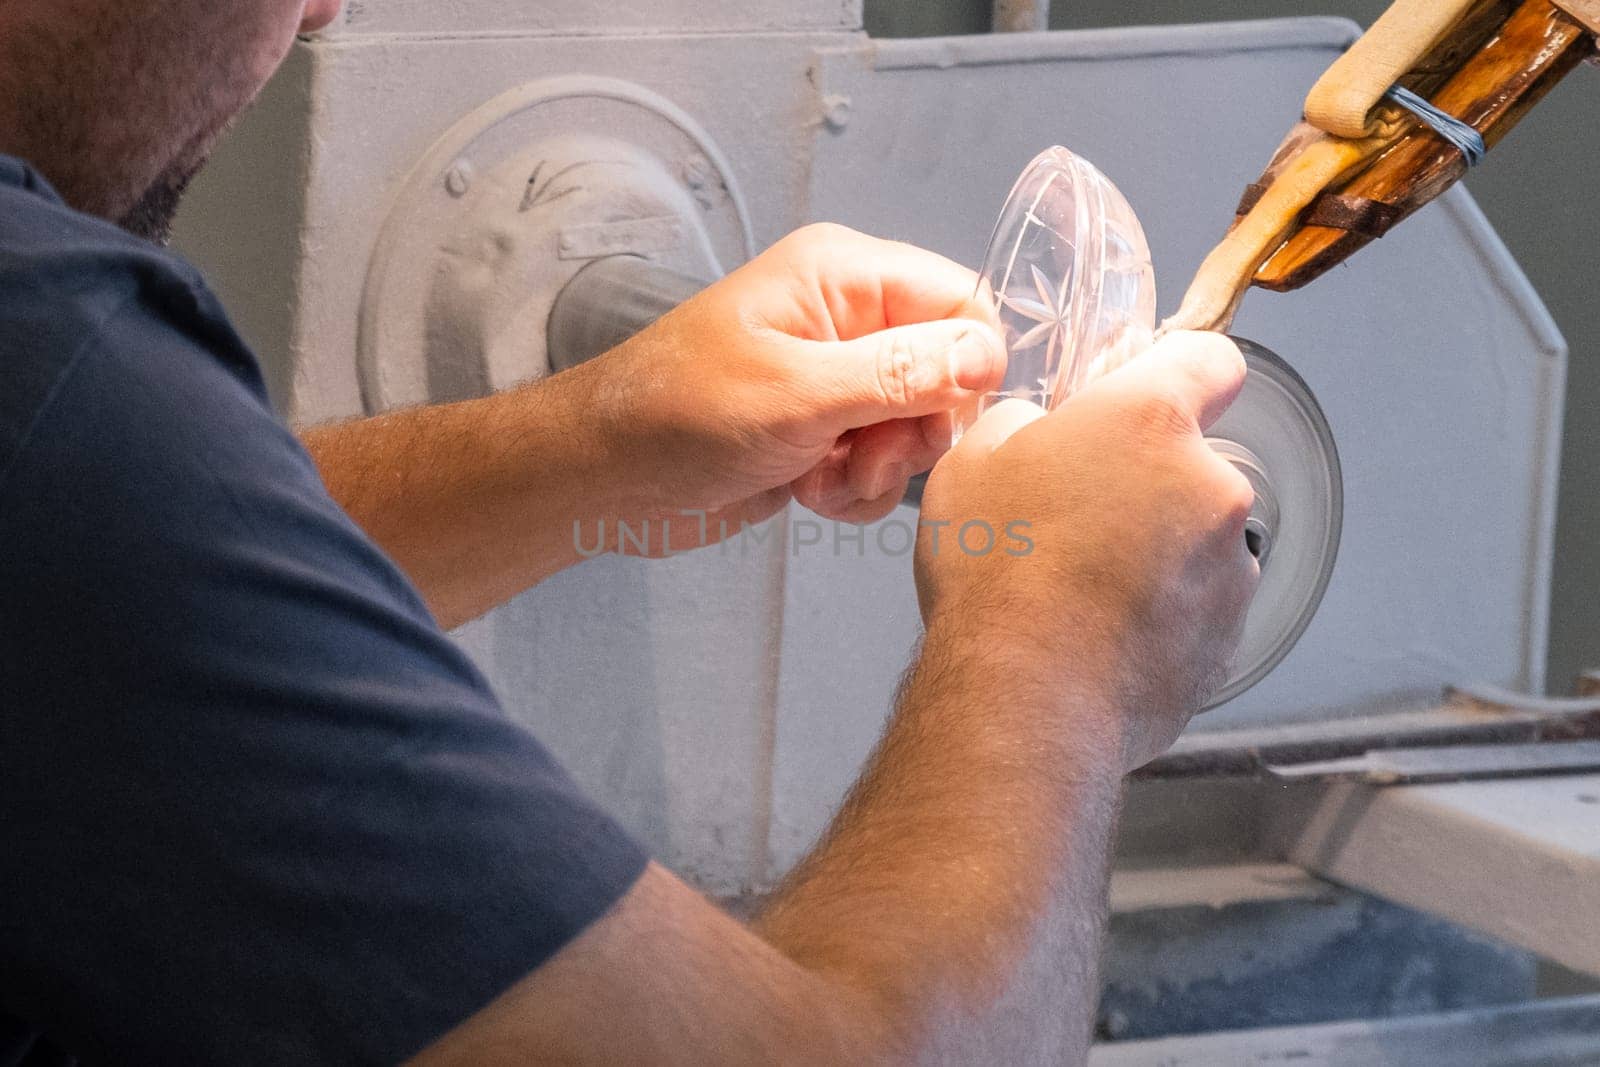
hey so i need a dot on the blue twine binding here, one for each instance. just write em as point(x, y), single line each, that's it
point(1466, 139)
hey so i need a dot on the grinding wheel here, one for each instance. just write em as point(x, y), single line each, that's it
point(1276, 434)
point(1068, 274)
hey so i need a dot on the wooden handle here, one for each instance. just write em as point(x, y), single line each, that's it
point(1533, 50)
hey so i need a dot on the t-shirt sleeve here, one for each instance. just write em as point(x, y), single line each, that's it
point(257, 807)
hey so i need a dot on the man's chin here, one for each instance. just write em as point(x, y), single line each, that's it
point(152, 214)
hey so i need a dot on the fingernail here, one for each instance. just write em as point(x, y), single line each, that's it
point(975, 359)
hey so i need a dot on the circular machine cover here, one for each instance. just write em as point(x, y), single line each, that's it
point(1069, 276)
point(508, 206)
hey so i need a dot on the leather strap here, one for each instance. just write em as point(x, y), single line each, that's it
point(1341, 102)
point(1359, 215)
point(1369, 218)
point(1252, 196)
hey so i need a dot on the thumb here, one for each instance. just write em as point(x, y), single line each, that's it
point(904, 372)
point(1201, 373)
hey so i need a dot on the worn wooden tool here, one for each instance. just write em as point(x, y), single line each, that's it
point(1340, 180)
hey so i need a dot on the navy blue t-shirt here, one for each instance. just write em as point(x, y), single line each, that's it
point(254, 806)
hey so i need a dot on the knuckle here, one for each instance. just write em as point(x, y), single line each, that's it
point(1236, 494)
point(1161, 410)
point(822, 234)
point(1212, 677)
point(1206, 345)
point(896, 370)
point(1247, 587)
point(1210, 345)
point(1229, 357)
point(1212, 360)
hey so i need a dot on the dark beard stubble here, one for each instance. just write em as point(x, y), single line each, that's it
point(151, 216)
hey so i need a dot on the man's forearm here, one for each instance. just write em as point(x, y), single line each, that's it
point(476, 500)
point(952, 914)
point(963, 886)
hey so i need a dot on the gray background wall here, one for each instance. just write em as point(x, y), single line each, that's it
point(1538, 188)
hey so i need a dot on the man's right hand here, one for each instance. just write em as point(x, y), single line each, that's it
point(952, 913)
point(1138, 577)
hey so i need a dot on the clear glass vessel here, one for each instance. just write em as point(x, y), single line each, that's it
point(1068, 271)
point(1069, 277)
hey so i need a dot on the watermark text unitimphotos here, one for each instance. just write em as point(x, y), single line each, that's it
point(691, 530)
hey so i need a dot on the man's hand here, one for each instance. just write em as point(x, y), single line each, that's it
point(823, 370)
point(1138, 576)
point(826, 366)
point(953, 911)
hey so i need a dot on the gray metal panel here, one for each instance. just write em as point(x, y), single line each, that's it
point(850, 621)
point(1439, 369)
point(435, 18)
point(380, 103)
